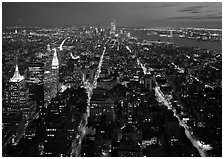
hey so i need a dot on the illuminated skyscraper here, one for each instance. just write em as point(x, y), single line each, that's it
point(36, 82)
point(15, 108)
point(148, 81)
point(18, 94)
point(102, 106)
point(47, 88)
point(55, 73)
point(130, 112)
point(113, 28)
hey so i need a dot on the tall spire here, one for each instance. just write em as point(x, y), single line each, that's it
point(55, 63)
point(16, 77)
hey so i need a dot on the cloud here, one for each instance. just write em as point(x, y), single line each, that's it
point(193, 8)
point(148, 5)
point(200, 17)
point(170, 4)
point(204, 11)
point(195, 12)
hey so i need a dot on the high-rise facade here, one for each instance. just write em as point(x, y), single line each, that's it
point(35, 82)
point(16, 109)
point(47, 87)
point(55, 73)
point(51, 79)
point(149, 81)
point(101, 107)
point(17, 96)
point(113, 28)
point(18, 93)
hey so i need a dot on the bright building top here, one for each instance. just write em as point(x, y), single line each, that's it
point(16, 77)
point(55, 63)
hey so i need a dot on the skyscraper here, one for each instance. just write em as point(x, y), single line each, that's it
point(55, 73)
point(15, 109)
point(102, 106)
point(47, 87)
point(18, 94)
point(36, 83)
point(113, 28)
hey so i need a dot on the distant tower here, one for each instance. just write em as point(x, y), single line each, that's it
point(55, 73)
point(171, 33)
point(113, 27)
point(48, 47)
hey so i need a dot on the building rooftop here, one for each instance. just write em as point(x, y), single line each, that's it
point(55, 62)
point(16, 77)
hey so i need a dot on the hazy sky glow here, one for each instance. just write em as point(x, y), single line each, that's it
point(140, 14)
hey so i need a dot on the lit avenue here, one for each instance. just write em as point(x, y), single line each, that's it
point(87, 91)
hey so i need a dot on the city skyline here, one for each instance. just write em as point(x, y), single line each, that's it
point(111, 80)
point(133, 14)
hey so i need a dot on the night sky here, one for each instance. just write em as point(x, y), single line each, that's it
point(133, 14)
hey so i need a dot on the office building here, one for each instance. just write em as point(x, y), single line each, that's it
point(47, 88)
point(18, 93)
point(13, 124)
point(148, 81)
point(102, 106)
point(113, 28)
point(35, 82)
point(55, 73)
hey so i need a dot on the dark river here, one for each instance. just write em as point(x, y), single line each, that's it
point(213, 46)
